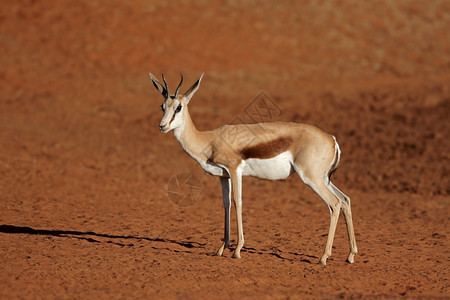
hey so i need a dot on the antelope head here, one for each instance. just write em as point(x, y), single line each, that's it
point(174, 106)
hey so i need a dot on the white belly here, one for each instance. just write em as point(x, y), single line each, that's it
point(275, 168)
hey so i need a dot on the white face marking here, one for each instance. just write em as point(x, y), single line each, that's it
point(172, 117)
point(275, 168)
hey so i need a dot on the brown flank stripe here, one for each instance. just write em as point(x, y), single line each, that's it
point(267, 150)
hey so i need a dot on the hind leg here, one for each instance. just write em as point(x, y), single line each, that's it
point(335, 207)
point(347, 211)
point(318, 185)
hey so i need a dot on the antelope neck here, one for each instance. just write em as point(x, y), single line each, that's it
point(190, 139)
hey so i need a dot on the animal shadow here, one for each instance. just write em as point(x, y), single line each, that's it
point(91, 236)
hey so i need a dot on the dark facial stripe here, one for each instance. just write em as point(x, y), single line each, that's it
point(267, 150)
point(173, 117)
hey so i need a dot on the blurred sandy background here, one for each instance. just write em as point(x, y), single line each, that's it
point(84, 171)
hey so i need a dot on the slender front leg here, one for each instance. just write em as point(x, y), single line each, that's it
point(236, 183)
point(226, 195)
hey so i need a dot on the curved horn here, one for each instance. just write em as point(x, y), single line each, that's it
point(179, 85)
point(167, 87)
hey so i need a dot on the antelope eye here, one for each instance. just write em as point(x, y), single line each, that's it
point(178, 108)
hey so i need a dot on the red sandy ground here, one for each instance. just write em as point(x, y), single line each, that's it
point(84, 172)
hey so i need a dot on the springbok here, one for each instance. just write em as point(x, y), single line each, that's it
point(273, 151)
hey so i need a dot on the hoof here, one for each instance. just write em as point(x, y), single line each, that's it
point(236, 255)
point(219, 252)
point(221, 249)
point(351, 258)
point(323, 260)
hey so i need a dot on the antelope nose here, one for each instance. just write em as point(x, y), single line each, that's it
point(161, 127)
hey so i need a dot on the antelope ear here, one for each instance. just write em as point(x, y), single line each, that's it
point(193, 89)
point(158, 85)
